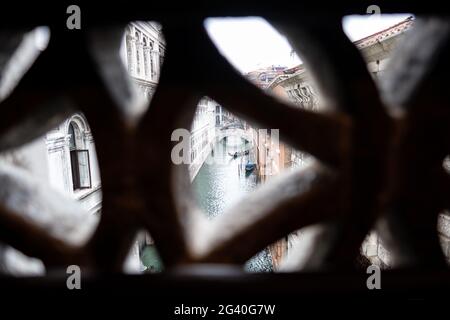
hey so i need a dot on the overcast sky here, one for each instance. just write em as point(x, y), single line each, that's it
point(250, 43)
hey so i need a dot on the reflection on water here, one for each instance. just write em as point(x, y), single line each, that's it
point(222, 181)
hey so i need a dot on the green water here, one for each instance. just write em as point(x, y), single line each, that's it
point(221, 182)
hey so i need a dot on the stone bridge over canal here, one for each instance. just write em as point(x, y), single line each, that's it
point(234, 132)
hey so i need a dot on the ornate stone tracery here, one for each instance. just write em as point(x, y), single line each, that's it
point(371, 167)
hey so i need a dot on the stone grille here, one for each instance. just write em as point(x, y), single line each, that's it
point(378, 151)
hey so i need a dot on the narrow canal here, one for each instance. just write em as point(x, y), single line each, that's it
point(222, 181)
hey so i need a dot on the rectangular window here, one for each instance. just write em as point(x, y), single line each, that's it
point(81, 175)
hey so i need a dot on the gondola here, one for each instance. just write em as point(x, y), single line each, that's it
point(250, 166)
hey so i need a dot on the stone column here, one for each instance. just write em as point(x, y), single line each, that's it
point(140, 52)
point(151, 64)
point(129, 49)
point(133, 69)
point(155, 60)
point(148, 62)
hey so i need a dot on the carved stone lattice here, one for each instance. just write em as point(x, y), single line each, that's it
point(378, 151)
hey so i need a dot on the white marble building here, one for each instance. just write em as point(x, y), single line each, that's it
point(143, 51)
point(203, 134)
point(72, 162)
point(62, 161)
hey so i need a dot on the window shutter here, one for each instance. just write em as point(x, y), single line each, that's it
point(75, 173)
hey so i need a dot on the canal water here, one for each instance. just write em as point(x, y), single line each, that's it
point(222, 181)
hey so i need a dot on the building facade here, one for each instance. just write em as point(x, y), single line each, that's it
point(296, 87)
point(203, 133)
point(72, 162)
point(143, 49)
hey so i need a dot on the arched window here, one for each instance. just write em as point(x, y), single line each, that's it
point(79, 159)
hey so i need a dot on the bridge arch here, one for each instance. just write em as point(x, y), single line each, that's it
point(234, 132)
